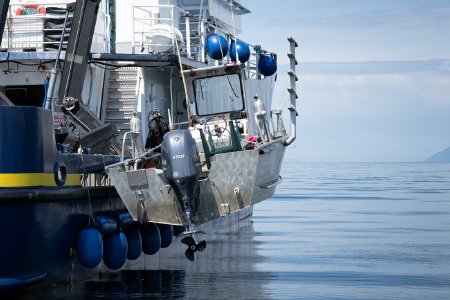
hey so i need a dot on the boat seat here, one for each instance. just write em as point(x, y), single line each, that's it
point(210, 149)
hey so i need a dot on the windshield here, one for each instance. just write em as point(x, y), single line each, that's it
point(220, 94)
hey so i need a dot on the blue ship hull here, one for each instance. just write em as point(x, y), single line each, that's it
point(41, 229)
point(41, 210)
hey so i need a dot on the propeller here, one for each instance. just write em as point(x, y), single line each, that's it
point(193, 247)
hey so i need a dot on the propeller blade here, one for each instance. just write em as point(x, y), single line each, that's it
point(189, 254)
point(189, 240)
point(201, 246)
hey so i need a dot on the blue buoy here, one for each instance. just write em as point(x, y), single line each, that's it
point(151, 240)
point(216, 46)
point(179, 229)
point(115, 250)
point(267, 65)
point(89, 247)
point(243, 51)
point(166, 233)
point(124, 219)
point(134, 241)
point(106, 225)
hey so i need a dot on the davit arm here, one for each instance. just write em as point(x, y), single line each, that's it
point(71, 84)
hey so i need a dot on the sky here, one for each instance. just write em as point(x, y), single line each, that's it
point(374, 76)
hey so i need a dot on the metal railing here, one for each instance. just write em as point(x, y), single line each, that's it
point(146, 23)
point(30, 32)
point(155, 28)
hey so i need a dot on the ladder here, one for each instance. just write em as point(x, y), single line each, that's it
point(121, 99)
point(192, 32)
point(292, 90)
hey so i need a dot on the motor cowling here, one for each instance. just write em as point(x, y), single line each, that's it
point(181, 166)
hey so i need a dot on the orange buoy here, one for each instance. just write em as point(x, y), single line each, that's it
point(31, 8)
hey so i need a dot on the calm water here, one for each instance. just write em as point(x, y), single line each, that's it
point(332, 231)
point(358, 231)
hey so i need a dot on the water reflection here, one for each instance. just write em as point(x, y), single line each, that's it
point(131, 284)
point(227, 269)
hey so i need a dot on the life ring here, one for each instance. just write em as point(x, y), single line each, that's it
point(31, 9)
point(60, 173)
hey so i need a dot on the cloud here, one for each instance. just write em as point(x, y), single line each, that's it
point(377, 67)
point(404, 14)
point(349, 30)
point(374, 75)
point(373, 115)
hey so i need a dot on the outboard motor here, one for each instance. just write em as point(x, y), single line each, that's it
point(181, 166)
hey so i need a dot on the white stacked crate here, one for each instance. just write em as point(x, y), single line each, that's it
point(27, 33)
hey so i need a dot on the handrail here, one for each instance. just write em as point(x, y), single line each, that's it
point(149, 15)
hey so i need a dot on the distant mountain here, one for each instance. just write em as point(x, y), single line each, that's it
point(443, 156)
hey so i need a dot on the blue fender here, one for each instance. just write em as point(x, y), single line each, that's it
point(166, 233)
point(216, 46)
point(134, 241)
point(151, 240)
point(115, 250)
point(89, 247)
point(267, 65)
point(106, 225)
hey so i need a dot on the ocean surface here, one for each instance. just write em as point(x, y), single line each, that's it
point(331, 231)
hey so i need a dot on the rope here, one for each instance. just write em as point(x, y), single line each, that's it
point(280, 101)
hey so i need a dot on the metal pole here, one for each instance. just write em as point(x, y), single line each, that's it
point(188, 35)
point(4, 4)
point(202, 46)
point(54, 71)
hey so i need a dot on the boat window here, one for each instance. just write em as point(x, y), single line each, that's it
point(219, 94)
